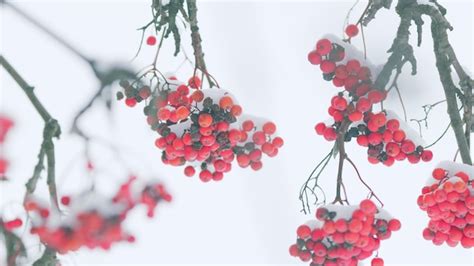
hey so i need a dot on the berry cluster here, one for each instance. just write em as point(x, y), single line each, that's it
point(5, 125)
point(385, 140)
point(449, 203)
point(203, 127)
point(93, 220)
point(344, 235)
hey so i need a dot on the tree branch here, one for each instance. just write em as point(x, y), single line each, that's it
point(51, 130)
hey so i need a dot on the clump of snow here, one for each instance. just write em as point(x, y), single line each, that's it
point(346, 211)
point(426, 2)
point(216, 95)
point(452, 168)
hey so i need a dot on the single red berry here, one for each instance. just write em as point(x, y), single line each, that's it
point(189, 171)
point(269, 128)
point(324, 46)
point(352, 30)
point(330, 134)
point(205, 175)
point(377, 262)
point(278, 142)
point(151, 40)
point(439, 173)
point(394, 225)
point(426, 155)
point(303, 231)
point(194, 82)
point(131, 102)
point(368, 207)
point(65, 200)
point(328, 66)
point(314, 58)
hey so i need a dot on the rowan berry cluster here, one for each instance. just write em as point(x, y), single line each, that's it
point(5, 125)
point(92, 220)
point(203, 129)
point(385, 140)
point(449, 203)
point(344, 235)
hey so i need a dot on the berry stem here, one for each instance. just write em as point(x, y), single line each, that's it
point(51, 130)
point(14, 245)
point(342, 156)
point(196, 43)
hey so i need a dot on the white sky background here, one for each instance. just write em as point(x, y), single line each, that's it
point(257, 50)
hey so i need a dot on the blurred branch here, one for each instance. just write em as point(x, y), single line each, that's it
point(14, 246)
point(48, 258)
point(51, 130)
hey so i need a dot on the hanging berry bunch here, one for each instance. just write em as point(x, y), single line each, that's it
point(344, 235)
point(93, 220)
point(448, 199)
point(203, 128)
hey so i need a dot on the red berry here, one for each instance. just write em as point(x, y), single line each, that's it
point(377, 262)
point(151, 40)
point(394, 225)
point(408, 146)
point(363, 105)
point(393, 125)
point(248, 125)
point(320, 128)
point(131, 102)
point(194, 82)
point(303, 231)
point(314, 58)
point(205, 175)
point(426, 155)
point(189, 171)
point(352, 30)
point(439, 173)
point(328, 66)
point(65, 200)
point(269, 128)
point(368, 207)
point(278, 142)
point(324, 46)
point(330, 134)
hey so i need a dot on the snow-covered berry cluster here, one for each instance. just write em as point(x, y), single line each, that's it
point(92, 220)
point(352, 109)
point(5, 125)
point(203, 128)
point(448, 199)
point(344, 235)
